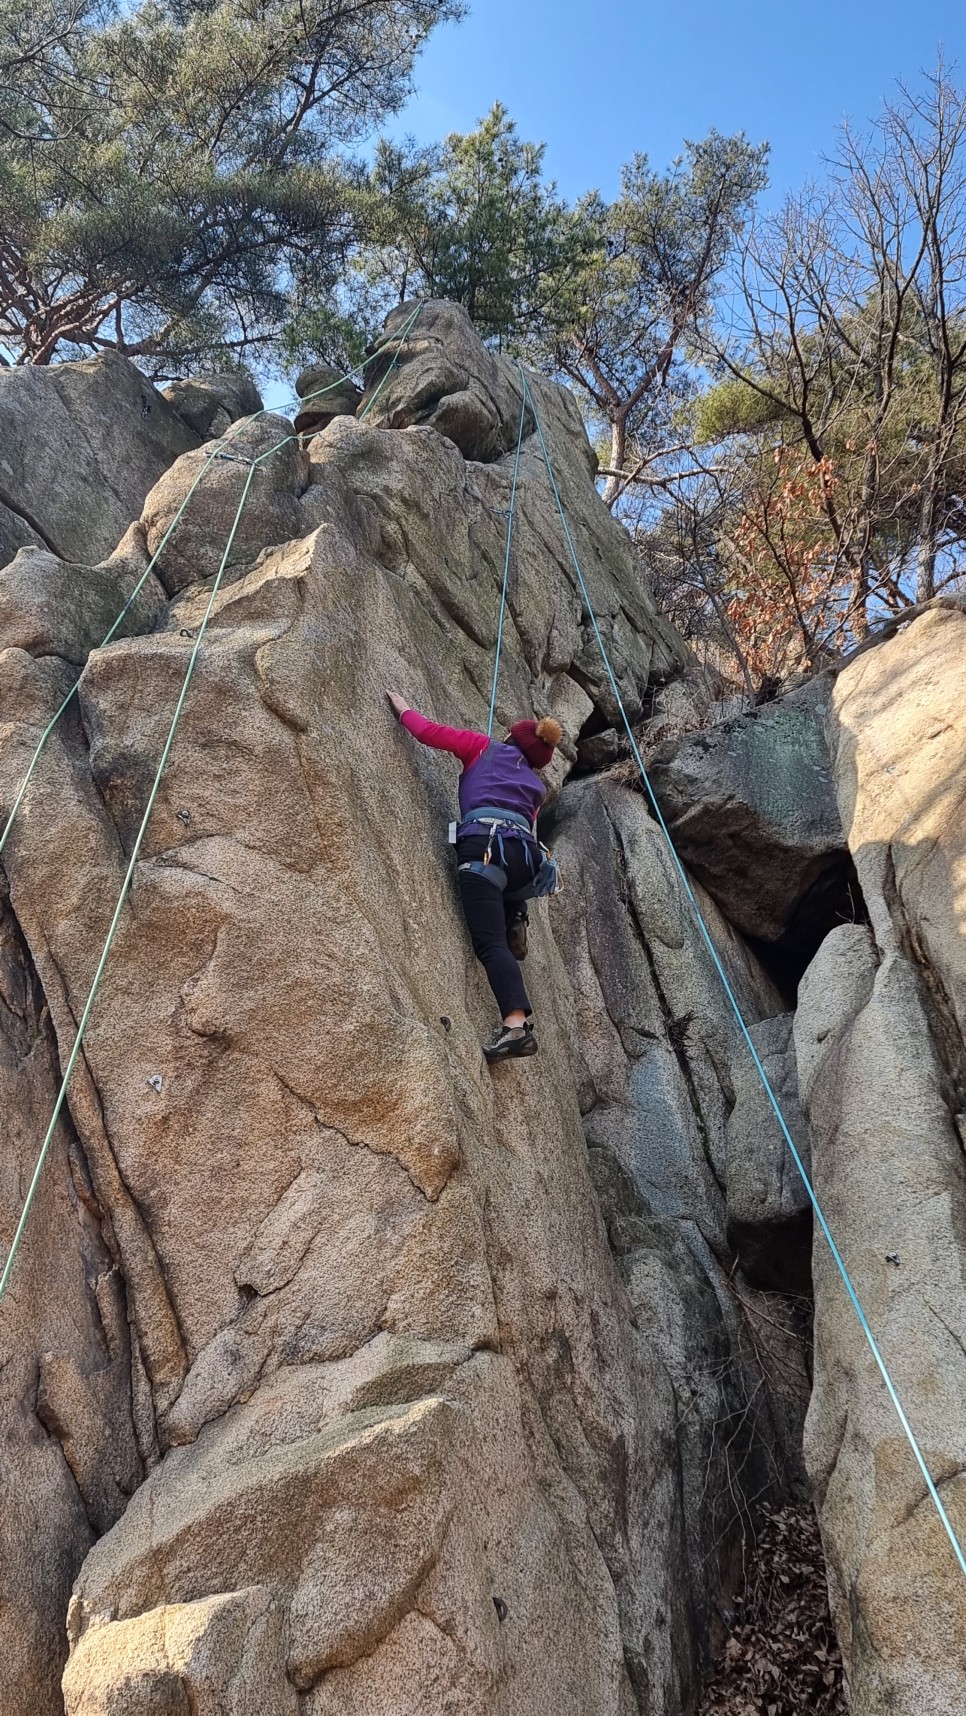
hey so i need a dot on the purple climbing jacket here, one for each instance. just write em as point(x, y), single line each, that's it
point(501, 779)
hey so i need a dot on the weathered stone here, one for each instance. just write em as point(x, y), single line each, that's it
point(82, 443)
point(209, 404)
point(889, 1173)
point(769, 1211)
point(900, 736)
point(68, 1458)
point(599, 751)
point(879, 1039)
point(50, 607)
point(382, 1357)
point(662, 1047)
point(221, 1656)
point(751, 806)
point(445, 378)
point(271, 514)
point(325, 394)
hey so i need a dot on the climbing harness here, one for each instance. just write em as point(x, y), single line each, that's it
point(252, 465)
point(544, 877)
point(766, 1083)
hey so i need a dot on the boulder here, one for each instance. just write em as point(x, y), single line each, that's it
point(194, 547)
point(82, 443)
point(751, 806)
point(222, 1656)
point(51, 607)
point(70, 1456)
point(209, 404)
point(879, 1039)
point(769, 1210)
point(325, 394)
point(442, 375)
point(666, 1070)
point(889, 1173)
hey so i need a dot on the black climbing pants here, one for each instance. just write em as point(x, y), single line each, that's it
point(487, 915)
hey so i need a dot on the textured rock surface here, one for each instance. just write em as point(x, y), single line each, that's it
point(752, 808)
point(209, 404)
point(341, 1373)
point(360, 1378)
point(445, 378)
point(80, 446)
point(879, 1035)
point(324, 394)
point(65, 1360)
point(667, 1074)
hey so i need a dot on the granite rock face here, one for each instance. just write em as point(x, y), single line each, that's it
point(82, 443)
point(880, 1041)
point(400, 1434)
point(209, 404)
point(342, 1372)
point(752, 808)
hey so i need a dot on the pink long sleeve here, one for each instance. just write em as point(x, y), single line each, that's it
point(462, 741)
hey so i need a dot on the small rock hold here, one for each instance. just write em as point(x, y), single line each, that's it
point(184, 816)
point(892, 1257)
point(156, 1082)
point(446, 1023)
point(501, 1609)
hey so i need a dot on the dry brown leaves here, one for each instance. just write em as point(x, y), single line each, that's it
point(782, 1658)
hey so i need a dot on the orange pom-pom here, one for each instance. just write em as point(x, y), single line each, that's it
point(549, 730)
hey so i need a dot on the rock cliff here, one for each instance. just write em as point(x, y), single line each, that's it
point(340, 1372)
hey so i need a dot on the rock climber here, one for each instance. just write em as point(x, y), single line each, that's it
point(500, 861)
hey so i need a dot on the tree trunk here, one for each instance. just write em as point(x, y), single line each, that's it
point(613, 488)
point(859, 612)
point(926, 549)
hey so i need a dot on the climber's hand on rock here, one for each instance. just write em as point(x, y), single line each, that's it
point(399, 704)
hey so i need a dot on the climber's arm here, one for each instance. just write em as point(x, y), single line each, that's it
point(462, 742)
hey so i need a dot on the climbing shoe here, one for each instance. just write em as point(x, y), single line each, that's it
point(516, 935)
point(511, 1042)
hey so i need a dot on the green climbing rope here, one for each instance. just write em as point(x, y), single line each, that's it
point(253, 465)
point(125, 888)
point(217, 453)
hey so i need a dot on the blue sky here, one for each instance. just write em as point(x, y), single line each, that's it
point(598, 82)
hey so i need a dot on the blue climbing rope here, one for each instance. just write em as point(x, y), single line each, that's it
point(766, 1083)
point(506, 564)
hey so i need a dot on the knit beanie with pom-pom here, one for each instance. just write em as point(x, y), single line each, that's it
point(537, 740)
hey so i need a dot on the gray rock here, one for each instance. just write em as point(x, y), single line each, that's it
point(326, 394)
point(599, 751)
point(209, 404)
point(752, 808)
point(80, 446)
point(444, 377)
point(880, 1048)
point(769, 1211)
point(271, 515)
